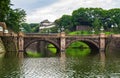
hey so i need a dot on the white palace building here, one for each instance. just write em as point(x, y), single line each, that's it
point(45, 24)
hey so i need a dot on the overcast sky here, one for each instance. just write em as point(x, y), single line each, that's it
point(38, 10)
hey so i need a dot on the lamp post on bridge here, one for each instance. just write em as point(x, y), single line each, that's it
point(21, 29)
point(1, 31)
point(102, 40)
point(102, 29)
point(58, 30)
point(20, 34)
point(114, 27)
point(21, 40)
point(49, 31)
point(62, 39)
point(5, 32)
point(93, 31)
point(61, 29)
point(46, 31)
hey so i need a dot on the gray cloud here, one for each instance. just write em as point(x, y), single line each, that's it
point(57, 8)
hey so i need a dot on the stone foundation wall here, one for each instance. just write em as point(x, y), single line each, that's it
point(2, 48)
point(10, 45)
point(114, 44)
point(113, 47)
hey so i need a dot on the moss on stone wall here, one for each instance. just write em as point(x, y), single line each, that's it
point(2, 48)
point(113, 47)
point(114, 44)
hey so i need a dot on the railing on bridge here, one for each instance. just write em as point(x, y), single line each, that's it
point(82, 36)
point(41, 35)
point(116, 35)
point(56, 35)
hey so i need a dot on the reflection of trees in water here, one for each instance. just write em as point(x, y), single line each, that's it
point(84, 67)
point(9, 68)
point(93, 66)
point(81, 49)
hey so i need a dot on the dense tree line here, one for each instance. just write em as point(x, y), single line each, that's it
point(30, 28)
point(12, 17)
point(93, 17)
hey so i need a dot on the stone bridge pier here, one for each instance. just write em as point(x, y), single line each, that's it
point(62, 42)
point(21, 42)
point(102, 42)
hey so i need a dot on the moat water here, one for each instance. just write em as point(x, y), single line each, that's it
point(61, 67)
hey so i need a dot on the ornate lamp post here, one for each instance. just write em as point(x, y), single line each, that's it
point(46, 31)
point(102, 29)
point(1, 30)
point(49, 31)
point(58, 30)
point(93, 31)
point(62, 29)
point(21, 29)
point(5, 31)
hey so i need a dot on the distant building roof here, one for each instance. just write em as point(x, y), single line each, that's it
point(45, 21)
point(46, 24)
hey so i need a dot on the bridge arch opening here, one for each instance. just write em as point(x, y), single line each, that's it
point(41, 46)
point(86, 47)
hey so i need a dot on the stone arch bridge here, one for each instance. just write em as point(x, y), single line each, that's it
point(61, 41)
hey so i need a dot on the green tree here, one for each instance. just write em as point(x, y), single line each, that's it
point(81, 17)
point(86, 16)
point(15, 18)
point(27, 28)
point(34, 27)
point(30, 28)
point(66, 21)
point(12, 17)
point(96, 23)
point(114, 15)
point(4, 9)
point(93, 17)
